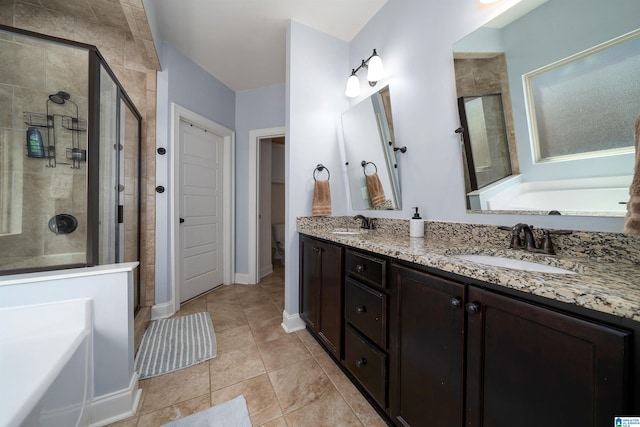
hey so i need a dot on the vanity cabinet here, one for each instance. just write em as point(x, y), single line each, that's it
point(366, 316)
point(427, 333)
point(526, 365)
point(533, 366)
point(321, 291)
point(438, 350)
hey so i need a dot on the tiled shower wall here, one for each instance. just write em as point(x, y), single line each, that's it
point(38, 192)
point(133, 67)
point(486, 76)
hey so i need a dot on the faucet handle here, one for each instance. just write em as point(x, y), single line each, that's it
point(545, 243)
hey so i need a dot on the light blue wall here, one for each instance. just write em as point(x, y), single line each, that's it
point(317, 69)
point(260, 108)
point(185, 83)
point(414, 39)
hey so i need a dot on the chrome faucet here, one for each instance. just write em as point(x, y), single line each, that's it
point(367, 223)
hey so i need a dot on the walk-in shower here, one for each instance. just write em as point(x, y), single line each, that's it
point(69, 158)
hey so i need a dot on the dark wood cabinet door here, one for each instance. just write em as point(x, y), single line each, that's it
point(427, 321)
point(310, 282)
point(331, 297)
point(530, 366)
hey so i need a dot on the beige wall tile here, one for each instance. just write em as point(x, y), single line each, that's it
point(110, 13)
point(110, 41)
point(22, 65)
point(76, 8)
point(6, 12)
point(6, 106)
point(135, 57)
point(69, 73)
point(44, 21)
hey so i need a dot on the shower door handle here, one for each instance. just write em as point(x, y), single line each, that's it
point(120, 214)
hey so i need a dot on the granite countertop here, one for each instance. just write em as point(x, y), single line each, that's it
point(601, 284)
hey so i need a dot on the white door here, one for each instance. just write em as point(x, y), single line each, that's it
point(201, 196)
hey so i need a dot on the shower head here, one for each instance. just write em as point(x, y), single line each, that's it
point(60, 97)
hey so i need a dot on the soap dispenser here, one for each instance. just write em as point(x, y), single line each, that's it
point(416, 225)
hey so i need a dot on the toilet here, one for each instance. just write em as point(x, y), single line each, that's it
point(278, 242)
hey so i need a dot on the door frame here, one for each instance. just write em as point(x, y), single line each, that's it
point(254, 194)
point(179, 113)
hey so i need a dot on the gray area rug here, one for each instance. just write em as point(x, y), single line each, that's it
point(172, 344)
point(233, 413)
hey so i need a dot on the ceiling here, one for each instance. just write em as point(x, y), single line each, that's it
point(243, 42)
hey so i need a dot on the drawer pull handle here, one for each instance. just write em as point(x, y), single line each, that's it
point(361, 362)
point(360, 268)
point(455, 302)
point(473, 307)
point(361, 309)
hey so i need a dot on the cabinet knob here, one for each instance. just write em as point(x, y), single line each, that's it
point(360, 268)
point(473, 307)
point(316, 250)
point(361, 309)
point(455, 302)
point(361, 362)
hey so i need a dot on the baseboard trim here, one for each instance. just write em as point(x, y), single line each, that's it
point(116, 406)
point(266, 270)
point(292, 322)
point(162, 311)
point(242, 278)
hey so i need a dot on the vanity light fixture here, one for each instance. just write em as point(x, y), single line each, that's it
point(375, 72)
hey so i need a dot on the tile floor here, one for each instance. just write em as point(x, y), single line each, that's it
point(287, 379)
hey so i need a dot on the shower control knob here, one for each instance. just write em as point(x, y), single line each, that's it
point(160, 189)
point(162, 151)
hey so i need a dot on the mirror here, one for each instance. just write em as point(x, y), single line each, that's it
point(566, 74)
point(370, 152)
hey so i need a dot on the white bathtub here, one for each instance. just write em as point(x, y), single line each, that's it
point(602, 196)
point(45, 363)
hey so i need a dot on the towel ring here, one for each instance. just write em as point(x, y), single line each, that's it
point(364, 164)
point(321, 168)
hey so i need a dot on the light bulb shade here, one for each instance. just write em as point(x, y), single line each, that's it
point(376, 70)
point(353, 86)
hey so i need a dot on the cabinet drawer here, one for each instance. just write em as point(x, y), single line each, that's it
point(367, 364)
point(368, 268)
point(366, 309)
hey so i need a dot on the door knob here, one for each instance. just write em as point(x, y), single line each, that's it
point(181, 220)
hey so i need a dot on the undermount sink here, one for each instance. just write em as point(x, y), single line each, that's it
point(348, 232)
point(515, 264)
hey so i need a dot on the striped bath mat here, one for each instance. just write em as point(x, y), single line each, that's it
point(172, 344)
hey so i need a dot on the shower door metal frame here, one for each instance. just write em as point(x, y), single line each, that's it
point(95, 59)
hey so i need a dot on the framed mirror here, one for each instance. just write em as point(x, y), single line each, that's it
point(569, 91)
point(370, 151)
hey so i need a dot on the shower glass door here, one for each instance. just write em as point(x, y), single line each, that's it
point(108, 202)
point(119, 202)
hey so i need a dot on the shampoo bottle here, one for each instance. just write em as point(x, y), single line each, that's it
point(416, 225)
point(35, 145)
